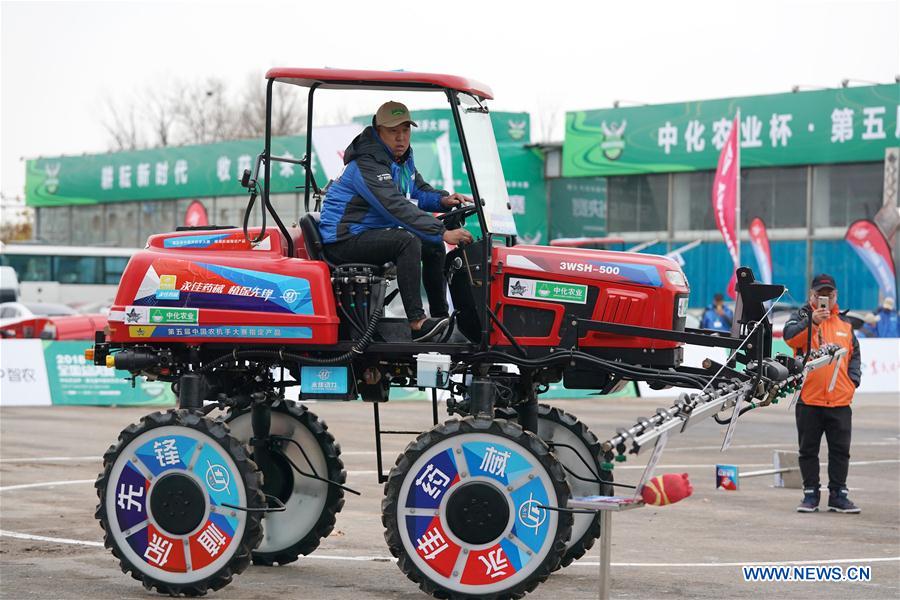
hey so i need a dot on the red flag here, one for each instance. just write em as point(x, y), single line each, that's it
point(759, 239)
point(869, 243)
point(724, 196)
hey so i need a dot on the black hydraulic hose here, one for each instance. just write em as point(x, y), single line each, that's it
point(612, 366)
point(727, 421)
point(247, 213)
point(267, 205)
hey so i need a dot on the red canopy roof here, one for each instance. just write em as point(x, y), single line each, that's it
point(396, 80)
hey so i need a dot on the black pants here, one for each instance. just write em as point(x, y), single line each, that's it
point(836, 424)
point(416, 262)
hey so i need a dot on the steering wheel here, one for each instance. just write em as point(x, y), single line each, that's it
point(454, 219)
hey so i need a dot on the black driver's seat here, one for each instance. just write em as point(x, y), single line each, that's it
point(312, 239)
point(315, 247)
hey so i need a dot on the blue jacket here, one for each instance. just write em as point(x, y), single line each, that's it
point(867, 331)
point(888, 323)
point(376, 192)
point(713, 321)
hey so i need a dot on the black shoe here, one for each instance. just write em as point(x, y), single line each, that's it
point(430, 329)
point(839, 502)
point(810, 501)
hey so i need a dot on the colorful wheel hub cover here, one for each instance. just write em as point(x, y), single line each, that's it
point(175, 479)
point(433, 537)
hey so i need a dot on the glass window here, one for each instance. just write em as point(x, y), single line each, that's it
point(113, 266)
point(28, 268)
point(77, 269)
point(54, 224)
point(637, 203)
point(777, 196)
point(692, 198)
point(230, 211)
point(844, 193)
point(122, 225)
point(156, 217)
point(482, 146)
point(87, 225)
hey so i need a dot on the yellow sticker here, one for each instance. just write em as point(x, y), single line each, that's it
point(141, 331)
point(167, 282)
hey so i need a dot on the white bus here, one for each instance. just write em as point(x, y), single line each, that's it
point(84, 277)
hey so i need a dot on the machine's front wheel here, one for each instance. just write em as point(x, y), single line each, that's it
point(311, 504)
point(463, 510)
point(578, 450)
point(171, 495)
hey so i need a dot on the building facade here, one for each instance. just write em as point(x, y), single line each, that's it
point(812, 163)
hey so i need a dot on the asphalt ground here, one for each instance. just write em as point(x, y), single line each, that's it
point(50, 542)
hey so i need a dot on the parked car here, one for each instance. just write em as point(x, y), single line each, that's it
point(47, 321)
point(9, 284)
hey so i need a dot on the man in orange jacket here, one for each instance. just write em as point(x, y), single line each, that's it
point(818, 410)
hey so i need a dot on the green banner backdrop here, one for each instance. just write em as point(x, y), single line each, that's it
point(215, 169)
point(158, 174)
point(829, 126)
point(75, 381)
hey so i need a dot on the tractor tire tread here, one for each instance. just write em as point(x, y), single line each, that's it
point(252, 481)
point(452, 427)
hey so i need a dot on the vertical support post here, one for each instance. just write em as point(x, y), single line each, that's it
point(528, 409)
point(453, 97)
point(434, 406)
point(261, 423)
point(810, 227)
point(309, 127)
point(605, 550)
point(377, 418)
point(737, 208)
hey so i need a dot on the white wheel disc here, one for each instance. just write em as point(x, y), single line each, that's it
point(153, 457)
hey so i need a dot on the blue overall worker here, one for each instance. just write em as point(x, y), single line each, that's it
point(379, 210)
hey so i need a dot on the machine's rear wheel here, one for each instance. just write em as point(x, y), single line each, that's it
point(168, 494)
point(578, 450)
point(462, 510)
point(312, 505)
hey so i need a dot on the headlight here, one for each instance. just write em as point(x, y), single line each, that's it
point(676, 278)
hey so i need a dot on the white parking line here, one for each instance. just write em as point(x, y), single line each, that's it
point(784, 446)
point(582, 563)
point(861, 463)
point(52, 540)
point(748, 563)
point(51, 459)
point(25, 486)
point(25, 459)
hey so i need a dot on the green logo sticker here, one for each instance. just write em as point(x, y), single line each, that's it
point(398, 111)
point(547, 290)
point(173, 315)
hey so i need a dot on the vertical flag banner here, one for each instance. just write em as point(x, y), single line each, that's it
point(869, 243)
point(759, 239)
point(725, 197)
point(195, 215)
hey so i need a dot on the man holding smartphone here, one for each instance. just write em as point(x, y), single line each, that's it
point(818, 410)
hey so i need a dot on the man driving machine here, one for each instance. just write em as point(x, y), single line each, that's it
point(379, 210)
